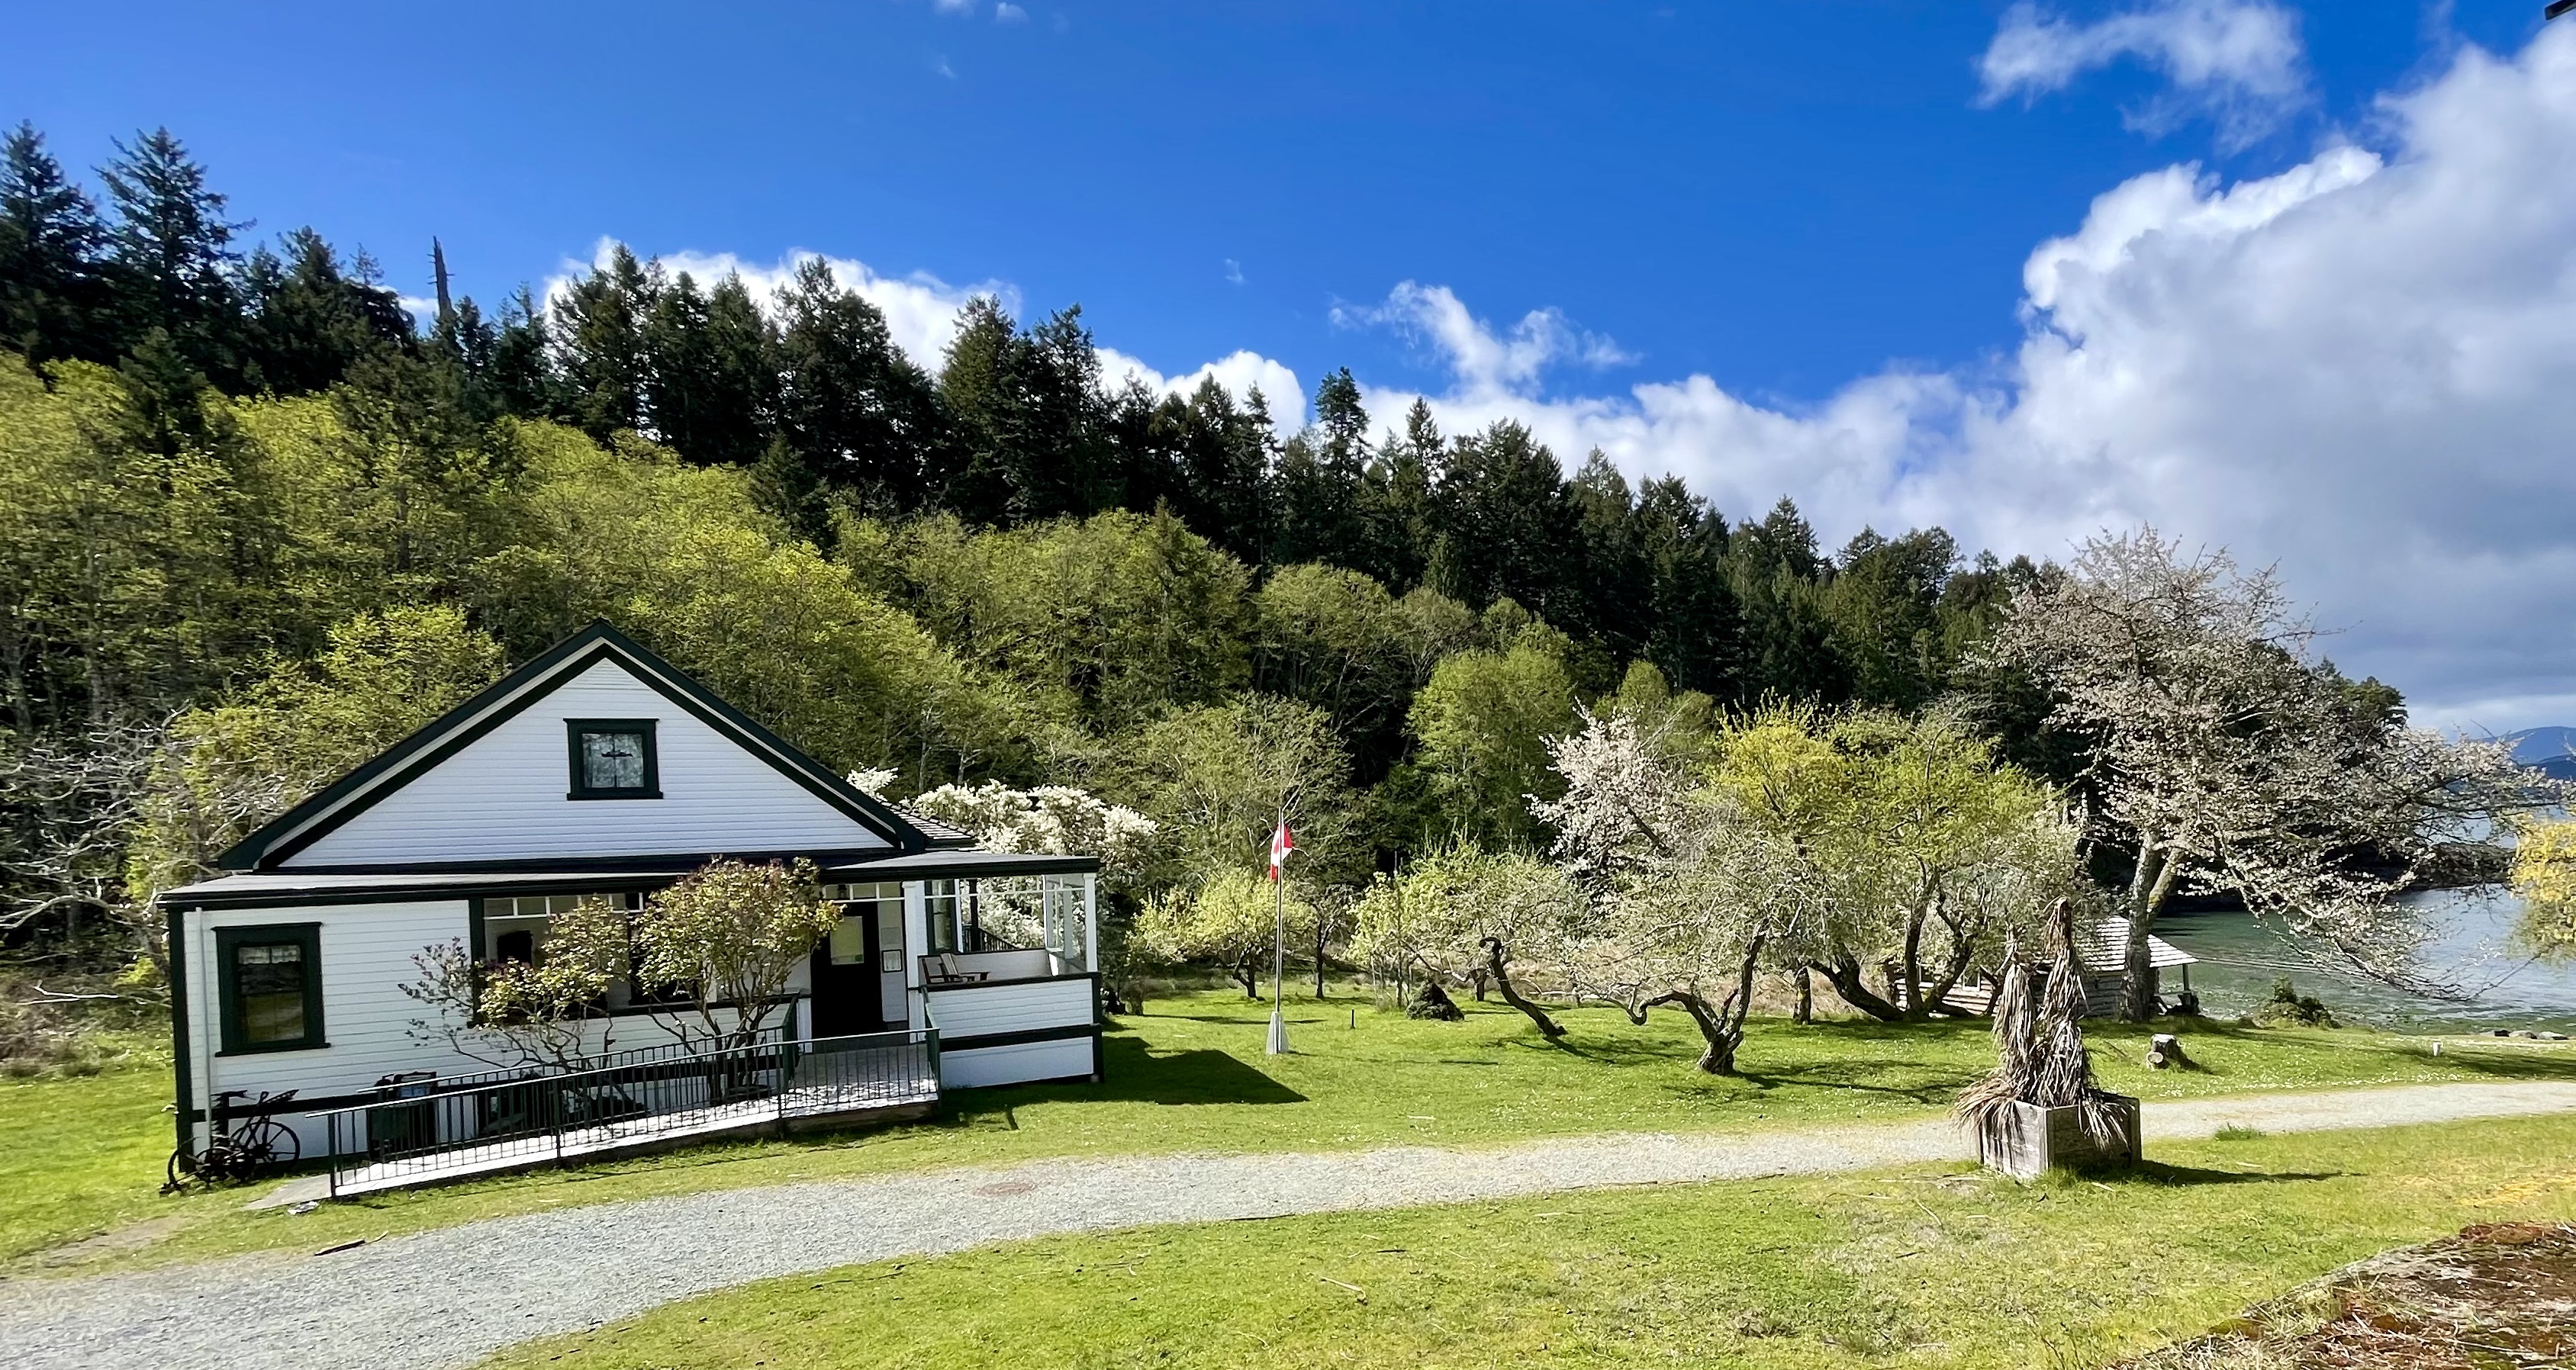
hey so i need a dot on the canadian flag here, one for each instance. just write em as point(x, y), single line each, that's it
point(1282, 842)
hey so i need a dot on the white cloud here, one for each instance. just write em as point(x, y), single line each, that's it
point(1240, 373)
point(1233, 271)
point(920, 309)
point(2363, 368)
point(2238, 61)
point(1008, 13)
point(953, 6)
point(940, 65)
point(1485, 360)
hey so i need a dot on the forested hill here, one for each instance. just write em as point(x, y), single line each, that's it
point(240, 473)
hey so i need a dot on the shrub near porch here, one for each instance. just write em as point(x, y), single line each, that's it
point(1190, 1075)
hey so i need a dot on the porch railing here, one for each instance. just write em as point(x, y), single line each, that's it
point(436, 1129)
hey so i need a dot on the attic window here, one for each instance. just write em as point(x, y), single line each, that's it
point(612, 758)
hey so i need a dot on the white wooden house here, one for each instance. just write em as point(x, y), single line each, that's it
point(598, 769)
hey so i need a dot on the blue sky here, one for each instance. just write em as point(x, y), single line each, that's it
point(1780, 195)
point(2300, 280)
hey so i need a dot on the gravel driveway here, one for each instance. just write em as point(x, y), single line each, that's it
point(449, 1297)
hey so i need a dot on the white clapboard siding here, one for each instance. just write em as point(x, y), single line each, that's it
point(367, 957)
point(503, 796)
point(1016, 1064)
point(985, 1010)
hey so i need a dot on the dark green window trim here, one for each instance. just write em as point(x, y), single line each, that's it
point(475, 952)
point(227, 942)
point(176, 930)
point(641, 727)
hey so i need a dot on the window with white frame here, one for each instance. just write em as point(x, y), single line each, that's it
point(516, 926)
point(945, 910)
point(861, 904)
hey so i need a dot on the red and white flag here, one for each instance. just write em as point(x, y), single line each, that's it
point(1282, 842)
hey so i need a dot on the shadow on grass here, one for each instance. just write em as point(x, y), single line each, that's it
point(2177, 1176)
point(1203, 1076)
point(1940, 1090)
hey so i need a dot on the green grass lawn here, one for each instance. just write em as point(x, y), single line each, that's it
point(1190, 1075)
point(1917, 1267)
point(81, 1156)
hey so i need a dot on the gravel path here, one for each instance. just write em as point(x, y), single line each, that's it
point(449, 1297)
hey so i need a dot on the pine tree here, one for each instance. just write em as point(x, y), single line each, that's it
point(1778, 580)
point(1396, 516)
point(51, 296)
point(976, 388)
point(1504, 526)
point(1059, 462)
point(852, 407)
point(171, 250)
point(598, 334)
point(1321, 472)
point(742, 385)
point(1610, 585)
point(1696, 629)
point(1218, 454)
point(311, 321)
point(522, 377)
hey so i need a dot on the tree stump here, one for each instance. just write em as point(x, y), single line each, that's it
point(2164, 1051)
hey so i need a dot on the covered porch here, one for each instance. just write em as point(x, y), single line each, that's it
point(995, 952)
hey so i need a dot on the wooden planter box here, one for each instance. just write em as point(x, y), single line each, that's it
point(2027, 1139)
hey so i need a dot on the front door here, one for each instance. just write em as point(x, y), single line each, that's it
point(845, 976)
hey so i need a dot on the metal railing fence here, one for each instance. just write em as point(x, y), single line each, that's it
point(433, 1129)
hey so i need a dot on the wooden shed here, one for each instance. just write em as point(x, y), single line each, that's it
point(2104, 948)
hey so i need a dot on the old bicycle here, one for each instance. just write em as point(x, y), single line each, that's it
point(239, 1147)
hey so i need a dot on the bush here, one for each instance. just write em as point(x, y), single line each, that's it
point(1434, 1003)
point(2288, 1008)
point(42, 1034)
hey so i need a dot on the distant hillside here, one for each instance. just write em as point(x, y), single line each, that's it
point(2551, 751)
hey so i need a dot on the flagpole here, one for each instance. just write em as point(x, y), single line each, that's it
point(1278, 940)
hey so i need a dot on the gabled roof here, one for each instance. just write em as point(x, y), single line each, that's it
point(359, 790)
point(2105, 947)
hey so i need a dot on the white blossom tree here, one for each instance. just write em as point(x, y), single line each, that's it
point(1689, 898)
point(2226, 758)
point(1728, 900)
point(1056, 820)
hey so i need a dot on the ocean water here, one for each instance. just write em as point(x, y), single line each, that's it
point(2240, 957)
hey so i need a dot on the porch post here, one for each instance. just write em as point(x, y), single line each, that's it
point(916, 944)
point(1091, 923)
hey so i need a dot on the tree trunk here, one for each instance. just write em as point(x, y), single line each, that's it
point(1911, 994)
point(1957, 966)
point(2147, 899)
point(1845, 976)
point(1806, 1010)
point(1503, 981)
point(1721, 1026)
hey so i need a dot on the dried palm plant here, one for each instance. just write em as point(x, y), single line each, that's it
point(2043, 1062)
